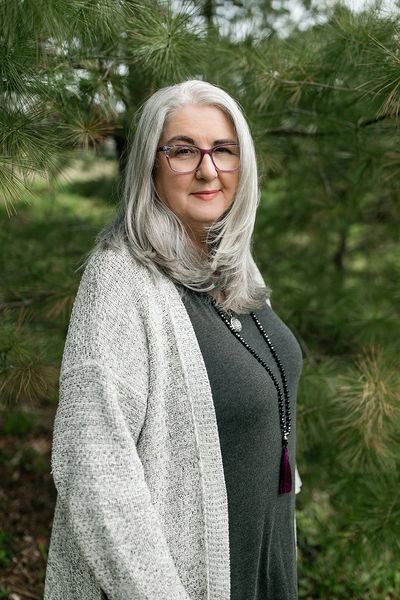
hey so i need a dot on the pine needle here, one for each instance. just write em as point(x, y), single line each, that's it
point(368, 405)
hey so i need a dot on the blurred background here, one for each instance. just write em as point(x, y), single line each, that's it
point(320, 84)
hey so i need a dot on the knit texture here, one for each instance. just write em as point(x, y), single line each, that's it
point(141, 510)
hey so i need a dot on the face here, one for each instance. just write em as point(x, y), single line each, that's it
point(188, 195)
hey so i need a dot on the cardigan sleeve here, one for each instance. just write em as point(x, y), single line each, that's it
point(109, 519)
point(100, 482)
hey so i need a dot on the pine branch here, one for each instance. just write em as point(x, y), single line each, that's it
point(367, 404)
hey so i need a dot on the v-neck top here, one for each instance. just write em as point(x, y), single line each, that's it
point(261, 521)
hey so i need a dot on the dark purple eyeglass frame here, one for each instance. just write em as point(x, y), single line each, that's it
point(203, 151)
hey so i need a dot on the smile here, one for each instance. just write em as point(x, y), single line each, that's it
point(206, 195)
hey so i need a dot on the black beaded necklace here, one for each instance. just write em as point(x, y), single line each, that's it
point(285, 475)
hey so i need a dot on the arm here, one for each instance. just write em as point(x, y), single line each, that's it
point(100, 481)
point(96, 468)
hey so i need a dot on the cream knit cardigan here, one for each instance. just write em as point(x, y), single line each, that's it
point(141, 509)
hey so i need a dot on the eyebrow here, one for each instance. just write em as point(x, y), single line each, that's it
point(185, 138)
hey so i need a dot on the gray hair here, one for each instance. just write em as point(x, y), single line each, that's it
point(157, 237)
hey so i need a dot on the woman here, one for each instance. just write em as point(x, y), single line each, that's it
point(174, 443)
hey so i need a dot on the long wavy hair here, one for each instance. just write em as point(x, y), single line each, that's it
point(156, 236)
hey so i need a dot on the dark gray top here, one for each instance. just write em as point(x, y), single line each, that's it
point(261, 522)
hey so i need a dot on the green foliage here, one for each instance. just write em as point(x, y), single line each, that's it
point(337, 559)
point(6, 547)
point(89, 188)
point(44, 550)
point(42, 248)
point(17, 423)
point(367, 413)
point(31, 460)
point(24, 374)
point(166, 42)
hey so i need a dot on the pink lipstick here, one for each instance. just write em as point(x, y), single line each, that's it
point(206, 195)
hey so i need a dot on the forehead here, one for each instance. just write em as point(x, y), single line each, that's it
point(199, 122)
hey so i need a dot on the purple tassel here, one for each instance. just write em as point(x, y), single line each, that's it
point(285, 475)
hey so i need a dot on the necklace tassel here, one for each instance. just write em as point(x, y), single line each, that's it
point(285, 475)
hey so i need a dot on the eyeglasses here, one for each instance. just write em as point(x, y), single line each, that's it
point(184, 158)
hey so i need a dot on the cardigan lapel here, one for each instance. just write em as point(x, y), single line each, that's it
point(215, 503)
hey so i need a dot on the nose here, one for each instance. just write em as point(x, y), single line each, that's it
point(207, 169)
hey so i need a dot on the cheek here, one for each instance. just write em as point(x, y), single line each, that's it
point(176, 186)
point(161, 184)
point(233, 183)
point(172, 190)
point(156, 178)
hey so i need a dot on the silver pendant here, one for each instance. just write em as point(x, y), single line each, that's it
point(236, 324)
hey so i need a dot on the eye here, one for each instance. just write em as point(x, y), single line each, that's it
point(227, 150)
point(182, 151)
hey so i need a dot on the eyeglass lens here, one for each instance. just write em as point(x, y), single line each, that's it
point(184, 159)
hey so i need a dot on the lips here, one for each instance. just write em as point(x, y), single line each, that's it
point(206, 194)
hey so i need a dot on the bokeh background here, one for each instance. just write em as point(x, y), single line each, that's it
point(320, 85)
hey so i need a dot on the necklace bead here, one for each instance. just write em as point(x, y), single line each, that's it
point(285, 479)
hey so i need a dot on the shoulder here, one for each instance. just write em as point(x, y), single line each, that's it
point(115, 272)
point(115, 282)
point(108, 315)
